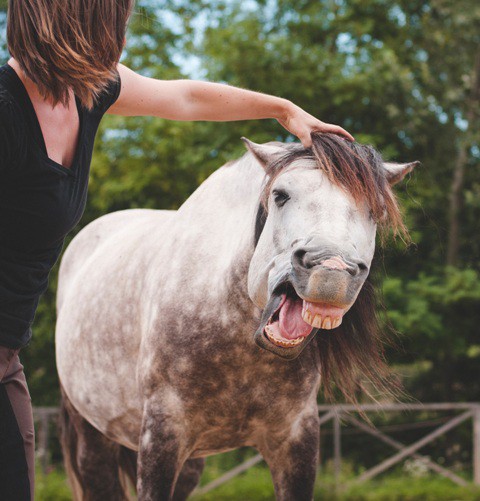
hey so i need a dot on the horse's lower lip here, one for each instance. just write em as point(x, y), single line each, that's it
point(287, 343)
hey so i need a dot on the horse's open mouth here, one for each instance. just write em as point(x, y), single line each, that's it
point(290, 322)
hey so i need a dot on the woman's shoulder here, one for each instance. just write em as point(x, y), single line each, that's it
point(11, 114)
point(12, 133)
point(109, 95)
point(7, 102)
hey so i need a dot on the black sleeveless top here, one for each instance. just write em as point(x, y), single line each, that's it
point(40, 201)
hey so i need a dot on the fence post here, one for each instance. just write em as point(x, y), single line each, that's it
point(337, 448)
point(319, 465)
point(476, 446)
point(43, 440)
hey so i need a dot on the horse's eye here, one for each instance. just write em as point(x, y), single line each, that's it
point(280, 197)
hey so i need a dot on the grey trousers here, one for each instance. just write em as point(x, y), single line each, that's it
point(17, 437)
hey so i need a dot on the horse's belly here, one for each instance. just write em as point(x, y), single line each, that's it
point(217, 441)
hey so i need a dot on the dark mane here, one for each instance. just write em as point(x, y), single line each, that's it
point(352, 356)
point(356, 168)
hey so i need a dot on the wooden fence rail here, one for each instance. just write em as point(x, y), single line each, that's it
point(338, 414)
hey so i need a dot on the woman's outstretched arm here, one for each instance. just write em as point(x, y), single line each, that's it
point(198, 100)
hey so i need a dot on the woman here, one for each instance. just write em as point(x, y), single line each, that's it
point(63, 76)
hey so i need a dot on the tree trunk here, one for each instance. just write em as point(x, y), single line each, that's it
point(459, 170)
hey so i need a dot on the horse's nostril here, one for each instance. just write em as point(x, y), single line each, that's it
point(362, 266)
point(357, 268)
point(299, 258)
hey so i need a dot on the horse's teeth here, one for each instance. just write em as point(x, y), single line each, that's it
point(317, 321)
point(327, 324)
point(307, 316)
point(278, 342)
point(336, 323)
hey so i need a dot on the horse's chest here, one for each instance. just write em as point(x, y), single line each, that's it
point(240, 398)
point(243, 411)
point(232, 393)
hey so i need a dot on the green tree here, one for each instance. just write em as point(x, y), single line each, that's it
point(400, 74)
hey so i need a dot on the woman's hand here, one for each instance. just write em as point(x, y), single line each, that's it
point(301, 124)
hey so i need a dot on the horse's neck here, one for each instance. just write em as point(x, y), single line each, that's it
point(220, 219)
point(230, 189)
point(224, 206)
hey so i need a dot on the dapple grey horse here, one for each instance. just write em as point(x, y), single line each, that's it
point(182, 334)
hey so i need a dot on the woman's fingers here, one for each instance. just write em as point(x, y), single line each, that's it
point(306, 139)
point(336, 129)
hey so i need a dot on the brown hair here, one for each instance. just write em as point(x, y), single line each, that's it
point(62, 44)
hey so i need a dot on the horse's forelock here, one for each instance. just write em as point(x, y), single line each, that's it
point(356, 168)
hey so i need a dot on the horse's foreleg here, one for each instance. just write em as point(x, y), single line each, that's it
point(293, 461)
point(161, 452)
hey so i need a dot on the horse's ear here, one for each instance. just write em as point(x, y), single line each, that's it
point(396, 172)
point(264, 153)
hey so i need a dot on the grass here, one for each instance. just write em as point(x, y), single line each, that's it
point(256, 485)
point(52, 487)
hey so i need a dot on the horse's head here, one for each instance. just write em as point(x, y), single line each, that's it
point(315, 235)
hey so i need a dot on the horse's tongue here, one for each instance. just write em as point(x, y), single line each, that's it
point(292, 325)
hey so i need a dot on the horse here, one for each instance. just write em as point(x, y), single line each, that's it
point(183, 334)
